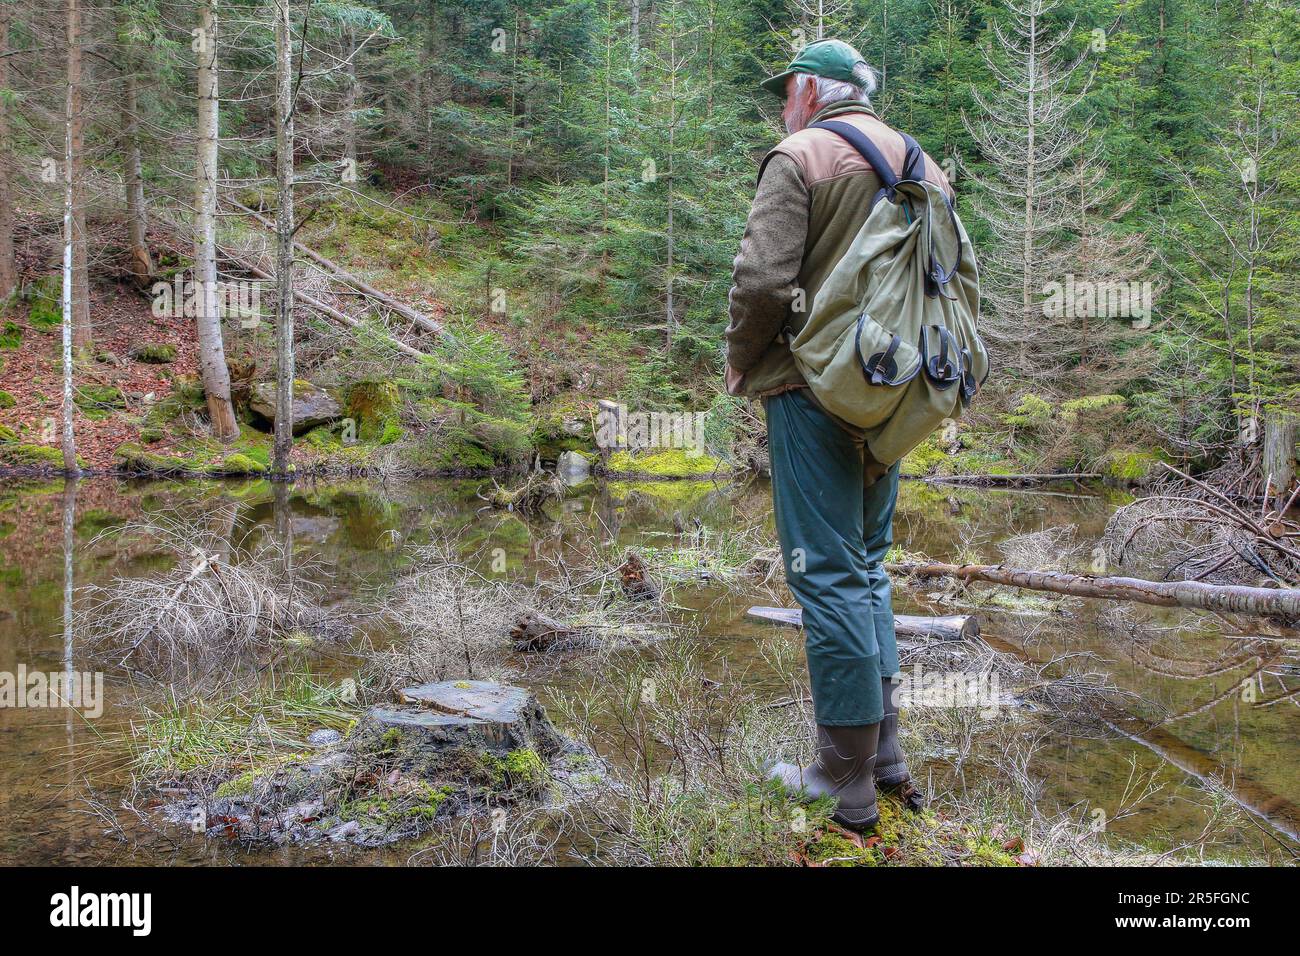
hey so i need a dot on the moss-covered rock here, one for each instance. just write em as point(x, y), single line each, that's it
point(1127, 464)
point(46, 298)
point(462, 439)
point(665, 463)
point(7, 434)
point(155, 353)
point(21, 455)
point(137, 460)
point(7, 400)
point(103, 397)
point(374, 407)
point(240, 464)
point(312, 405)
point(250, 454)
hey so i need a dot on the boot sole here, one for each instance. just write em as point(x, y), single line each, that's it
point(851, 823)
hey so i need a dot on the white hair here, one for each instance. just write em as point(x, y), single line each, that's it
point(832, 91)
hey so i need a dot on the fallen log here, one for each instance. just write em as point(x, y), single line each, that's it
point(955, 627)
point(1011, 480)
point(1230, 598)
point(355, 281)
point(534, 631)
point(337, 314)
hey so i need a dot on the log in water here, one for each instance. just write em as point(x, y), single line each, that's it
point(1230, 598)
point(955, 627)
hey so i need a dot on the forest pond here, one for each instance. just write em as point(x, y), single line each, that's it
point(358, 533)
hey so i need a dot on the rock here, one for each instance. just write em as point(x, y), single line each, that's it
point(316, 528)
point(324, 738)
point(345, 831)
point(312, 406)
point(573, 468)
point(154, 353)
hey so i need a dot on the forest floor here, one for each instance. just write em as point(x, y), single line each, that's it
point(522, 382)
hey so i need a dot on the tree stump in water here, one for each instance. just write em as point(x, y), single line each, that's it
point(534, 631)
point(635, 579)
point(441, 726)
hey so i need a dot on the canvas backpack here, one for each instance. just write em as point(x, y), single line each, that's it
point(890, 344)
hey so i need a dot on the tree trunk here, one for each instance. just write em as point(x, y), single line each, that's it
point(70, 196)
point(212, 352)
point(132, 174)
point(8, 266)
point(1280, 434)
point(351, 98)
point(284, 358)
point(82, 337)
point(1236, 599)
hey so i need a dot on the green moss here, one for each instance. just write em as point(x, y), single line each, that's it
point(428, 807)
point(832, 848)
point(7, 400)
point(925, 459)
point(21, 455)
point(668, 463)
point(240, 786)
point(524, 767)
point(986, 851)
point(322, 438)
point(565, 425)
point(250, 454)
point(461, 438)
point(7, 434)
point(374, 406)
point(11, 336)
point(133, 458)
point(90, 397)
point(46, 295)
point(155, 353)
point(676, 495)
point(240, 464)
point(1131, 465)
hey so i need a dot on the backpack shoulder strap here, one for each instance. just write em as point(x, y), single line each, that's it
point(913, 159)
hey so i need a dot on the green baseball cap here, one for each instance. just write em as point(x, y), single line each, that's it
point(833, 59)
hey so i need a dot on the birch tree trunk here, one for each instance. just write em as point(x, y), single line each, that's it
point(8, 266)
point(82, 338)
point(212, 353)
point(284, 358)
point(69, 246)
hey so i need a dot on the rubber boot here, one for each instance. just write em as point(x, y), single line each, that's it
point(843, 769)
point(891, 764)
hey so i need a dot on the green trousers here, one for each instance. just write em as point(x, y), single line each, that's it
point(835, 518)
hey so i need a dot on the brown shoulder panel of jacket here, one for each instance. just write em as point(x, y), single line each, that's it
point(822, 155)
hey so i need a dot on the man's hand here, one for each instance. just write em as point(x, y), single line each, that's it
point(734, 379)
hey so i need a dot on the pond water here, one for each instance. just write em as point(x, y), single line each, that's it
point(357, 530)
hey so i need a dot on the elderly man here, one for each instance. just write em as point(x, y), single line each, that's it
point(834, 503)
